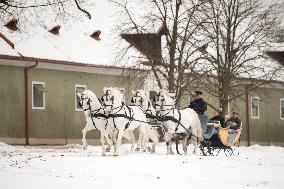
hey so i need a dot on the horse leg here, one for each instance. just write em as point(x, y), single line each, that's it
point(84, 132)
point(118, 142)
point(103, 144)
point(169, 147)
point(195, 146)
point(132, 139)
point(109, 142)
point(168, 139)
point(139, 142)
point(143, 137)
point(184, 144)
point(177, 143)
point(153, 135)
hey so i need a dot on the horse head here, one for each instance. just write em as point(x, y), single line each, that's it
point(138, 97)
point(112, 98)
point(162, 100)
point(88, 101)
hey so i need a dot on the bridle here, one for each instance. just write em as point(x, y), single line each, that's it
point(161, 98)
point(133, 99)
point(109, 97)
point(89, 105)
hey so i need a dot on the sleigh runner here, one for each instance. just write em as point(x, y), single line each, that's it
point(227, 140)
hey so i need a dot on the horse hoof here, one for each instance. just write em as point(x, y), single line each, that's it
point(137, 149)
point(152, 151)
point(115, 155)
point(85, 147)
point(108, 150)
point(148, 149)
point(103, 154)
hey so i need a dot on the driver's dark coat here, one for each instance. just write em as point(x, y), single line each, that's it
point(198, 105)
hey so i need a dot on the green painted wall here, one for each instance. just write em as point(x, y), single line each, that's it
point(59, 119)
point(11, 101)
point(265, 129)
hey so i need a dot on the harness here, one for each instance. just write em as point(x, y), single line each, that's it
point(94, 113)
point(173, 119)
point(130, 117)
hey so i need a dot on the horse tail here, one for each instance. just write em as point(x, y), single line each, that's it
point(152, 134)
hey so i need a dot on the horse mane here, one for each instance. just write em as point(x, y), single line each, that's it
point(145, 96)
point(92, 96)
point(168, 97)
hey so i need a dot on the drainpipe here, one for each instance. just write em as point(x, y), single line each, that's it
point(247, 117)
point(26, 69)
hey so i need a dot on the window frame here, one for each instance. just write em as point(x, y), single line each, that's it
point(75, 99)
point(258, 112)
point(36, 83)
point(281, 99)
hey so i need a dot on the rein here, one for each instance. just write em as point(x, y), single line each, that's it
point(94, 113)
point(173, 119)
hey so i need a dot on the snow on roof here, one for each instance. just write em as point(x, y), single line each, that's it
point(73, 43)
point(6, 49)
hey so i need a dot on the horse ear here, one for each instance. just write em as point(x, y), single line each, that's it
point(102, 99)
point(132, 101)
point(112, 98)
point(79, 94)
point(133, 92)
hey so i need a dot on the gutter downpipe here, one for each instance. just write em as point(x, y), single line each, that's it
point(247, 117)
point(26, 69)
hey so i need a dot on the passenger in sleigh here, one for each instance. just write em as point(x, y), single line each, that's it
point(234, 121)
point(234, 124)
point(211, 136)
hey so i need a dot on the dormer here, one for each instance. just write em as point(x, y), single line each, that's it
point(96, 35)
point(12, 25)
point(55, 30)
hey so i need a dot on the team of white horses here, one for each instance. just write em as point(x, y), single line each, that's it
point(115, 120)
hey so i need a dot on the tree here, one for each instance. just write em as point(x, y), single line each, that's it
point(180, 25)
point(238, 33)
point(39, 11)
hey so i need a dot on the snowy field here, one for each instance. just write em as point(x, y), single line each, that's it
point(71, 167)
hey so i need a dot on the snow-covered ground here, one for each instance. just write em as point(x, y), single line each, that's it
point(71, 167)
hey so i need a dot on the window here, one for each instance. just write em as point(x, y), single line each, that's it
point(78, 89)
point(38, 95)
point(255, 107)
point(282, 108)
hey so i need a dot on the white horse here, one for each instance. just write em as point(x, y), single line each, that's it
point(141, 99)
point(125, 118)
point(95, 119)
point(178, 121)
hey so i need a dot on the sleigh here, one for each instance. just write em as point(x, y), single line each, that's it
point(218, 139)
